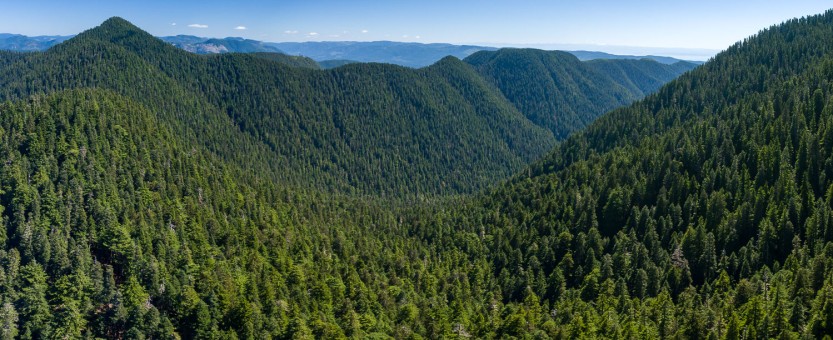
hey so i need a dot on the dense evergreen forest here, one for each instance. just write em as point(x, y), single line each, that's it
point(540, 82)
point(289, 60)
point(366, 128)
point(144, 196)
point(703, 211)
point(362, 128)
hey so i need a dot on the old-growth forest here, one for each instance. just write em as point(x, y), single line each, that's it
point(147, 192)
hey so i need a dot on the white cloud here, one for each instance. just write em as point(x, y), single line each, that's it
point(313, 33)
point(198, 26)
point(173, 24)
point(240, 28)
point(365, 31)
point(290, 32)
point(417, 37)
point(405, 36)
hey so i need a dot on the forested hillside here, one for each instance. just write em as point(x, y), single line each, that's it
point(703, 211)
point(289, 60)
point(147, 192)
point(542, 84)
point(117, 228)
point(369, 128)
point(363, 128)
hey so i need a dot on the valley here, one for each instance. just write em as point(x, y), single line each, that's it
point(150, 192)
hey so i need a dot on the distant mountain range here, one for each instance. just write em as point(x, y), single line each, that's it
point(214, 45)
point(328, 54)
point(593, 55)
point(17, 42)
point(400, 53)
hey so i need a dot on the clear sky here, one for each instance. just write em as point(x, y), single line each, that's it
point(705, 24)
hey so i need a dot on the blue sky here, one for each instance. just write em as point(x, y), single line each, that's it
point(705, 25)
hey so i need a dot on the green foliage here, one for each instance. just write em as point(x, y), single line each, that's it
point(372, 129)
point(363, 128)
point(558, 92)
point(703, 211)
point(289, 60)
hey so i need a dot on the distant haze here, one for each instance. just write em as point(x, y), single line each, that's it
point(699, 54)
point(706, 26)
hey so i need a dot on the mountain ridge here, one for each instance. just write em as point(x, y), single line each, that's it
point(702, 203)
point(150, 191)
point(539, 83)
point(392, 52)
point(281, 121)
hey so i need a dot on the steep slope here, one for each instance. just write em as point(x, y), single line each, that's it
point(420, 133)
point(702, 211)
point(117, 227)
point(558, 92)
point(101, 221)
point(641, 77)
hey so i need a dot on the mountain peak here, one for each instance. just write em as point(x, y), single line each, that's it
point(115, 21)
point(117, 24)
point(115, 29)
point(121, 32)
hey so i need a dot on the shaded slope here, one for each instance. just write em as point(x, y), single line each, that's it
point(557, 91)
point(414, 129)
point(328, 64)
point(641, 77)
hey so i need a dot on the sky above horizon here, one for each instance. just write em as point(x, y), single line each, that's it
point(706, 26)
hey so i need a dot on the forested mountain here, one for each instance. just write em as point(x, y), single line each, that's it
point(703, 211)
point(289, 60)
point(595, 55)
point(371, 128)
point(328, 64)
point(542, 84)
point(365, 128)
point(148, 192)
